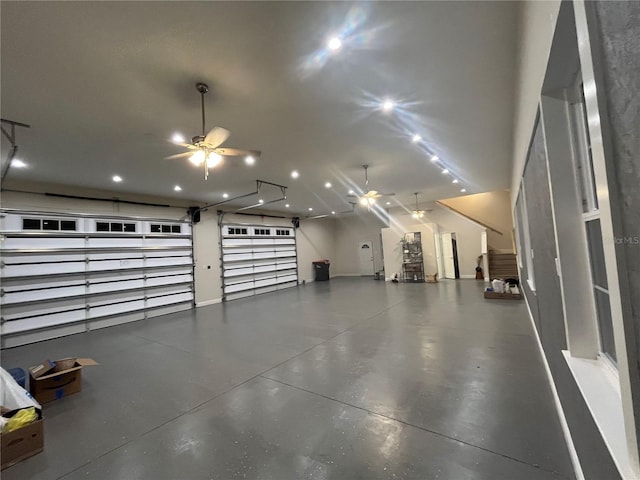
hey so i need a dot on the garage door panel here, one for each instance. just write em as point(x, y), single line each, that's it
point(30, 269)
point(38, 322)
point(19, 242)
point(253, 256)
point(41, 294)
point(51, 278)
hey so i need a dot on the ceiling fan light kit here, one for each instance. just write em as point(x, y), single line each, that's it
point(204, 150)
point(417, 213)
point(370, 197)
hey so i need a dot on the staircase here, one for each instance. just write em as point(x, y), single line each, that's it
point(503, 265)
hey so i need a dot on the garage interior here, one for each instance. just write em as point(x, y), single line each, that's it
point(274, 227)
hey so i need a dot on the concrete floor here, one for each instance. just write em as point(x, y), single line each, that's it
point(347, 379)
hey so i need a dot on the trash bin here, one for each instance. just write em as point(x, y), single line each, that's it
point(321, 269)
point(19, 375)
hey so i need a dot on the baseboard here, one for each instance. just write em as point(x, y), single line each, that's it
point(573, 454)
point(208, 302)
point(349, 275)
point(468, 276)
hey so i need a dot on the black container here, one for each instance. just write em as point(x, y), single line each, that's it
point(321, 269)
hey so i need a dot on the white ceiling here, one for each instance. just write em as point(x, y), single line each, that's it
point(105, 84)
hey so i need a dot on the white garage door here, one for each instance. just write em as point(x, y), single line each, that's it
point(257, 259)
point(65, 274)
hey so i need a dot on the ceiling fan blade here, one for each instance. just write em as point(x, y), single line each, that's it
point(386, 194)
point(216, 137)
point(236, 152)
point(179, 155)
point(187, 145)
point(352, 196)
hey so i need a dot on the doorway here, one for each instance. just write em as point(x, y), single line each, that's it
point(365, 257)
point(450, 255)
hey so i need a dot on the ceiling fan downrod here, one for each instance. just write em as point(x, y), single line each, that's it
point(202, 88)
point(366, 177)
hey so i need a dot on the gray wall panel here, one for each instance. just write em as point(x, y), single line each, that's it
point(593, 454)
point(618, 28)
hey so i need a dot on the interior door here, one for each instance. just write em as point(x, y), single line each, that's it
point(365, 256)
point(447, 256)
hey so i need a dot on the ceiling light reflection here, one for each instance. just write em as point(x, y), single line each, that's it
point(388, 105)
point(334, 43)
point(17, 163)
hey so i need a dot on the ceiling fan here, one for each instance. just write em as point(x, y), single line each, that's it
point(205, 149)
point(370, 196)
point(417, 213)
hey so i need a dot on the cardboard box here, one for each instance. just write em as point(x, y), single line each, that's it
point(63, 380)
point(22, 443)
point(503, 296)
point(43, 368)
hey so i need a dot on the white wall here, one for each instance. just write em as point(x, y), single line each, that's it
point(392, 246)
point(537, 25)
point(38, 202)
point(316, 241)
point(350, 230)
point(492, 209)
point(468, 236)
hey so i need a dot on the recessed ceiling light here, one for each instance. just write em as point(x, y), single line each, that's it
point(455, 180)
point(177, 138)
point(463, 190)
point(225, 195)
point(17, 163)
point(249, 160)
point(286, 205)
point(334, 43)
point(295, 174)
point(327, 185)
point(116, 178)
point(261, 201)
point(333, 212)
point(416, 138)
point(388, 105)
point(445, 171)
point(351, 192)
point(388, 203)
point(310, 209)
point(177, 188)
point(434, 158)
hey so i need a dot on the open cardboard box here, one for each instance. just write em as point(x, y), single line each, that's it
point(503, 296)
point(22, 443)
point(62, 379)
